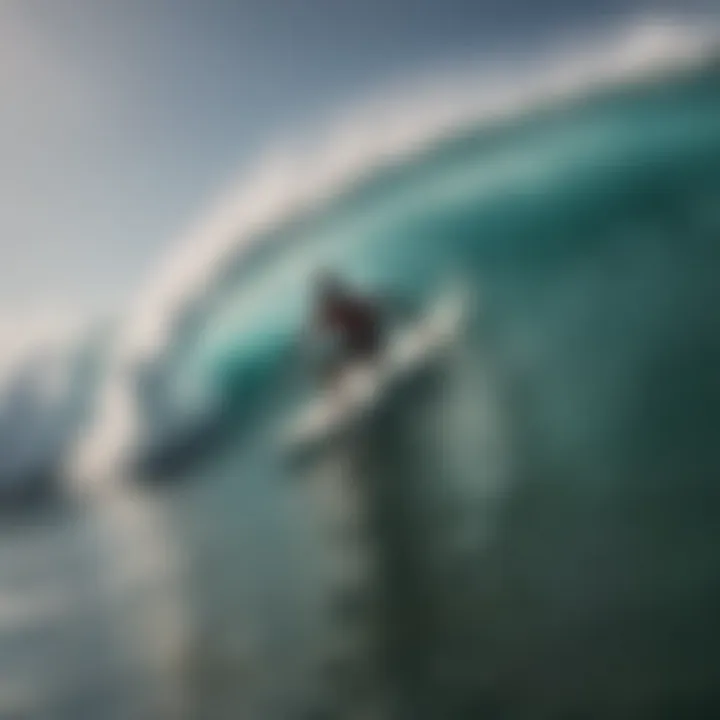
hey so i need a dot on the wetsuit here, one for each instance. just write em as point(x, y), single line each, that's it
point(357, 324)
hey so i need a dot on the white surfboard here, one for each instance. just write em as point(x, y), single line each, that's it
point(364, 385)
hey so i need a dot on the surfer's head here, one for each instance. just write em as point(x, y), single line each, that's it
point(328, 285)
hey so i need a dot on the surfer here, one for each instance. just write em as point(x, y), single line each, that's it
point(352, 321)
point(362, 349)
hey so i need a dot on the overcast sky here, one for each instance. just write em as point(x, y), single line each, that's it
point(121, 119)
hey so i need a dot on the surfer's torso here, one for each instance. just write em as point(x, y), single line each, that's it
point(356, 323)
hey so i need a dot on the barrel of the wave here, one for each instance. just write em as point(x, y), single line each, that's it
point(355, 449)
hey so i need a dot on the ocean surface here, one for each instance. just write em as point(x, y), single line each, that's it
point(547, 514)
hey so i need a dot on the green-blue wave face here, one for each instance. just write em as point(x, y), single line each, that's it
point(527, 196)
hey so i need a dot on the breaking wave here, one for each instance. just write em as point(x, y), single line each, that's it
point(453, 157)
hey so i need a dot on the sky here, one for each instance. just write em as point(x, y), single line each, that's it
point(121, 120)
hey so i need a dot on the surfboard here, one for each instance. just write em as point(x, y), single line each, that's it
point(363, 386)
